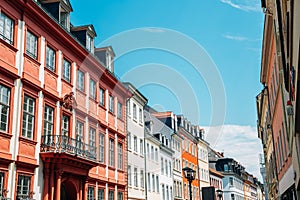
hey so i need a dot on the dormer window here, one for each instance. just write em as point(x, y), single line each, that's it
point(64, 19)
point(108, 61)
point(60, 10)
point(89, 43)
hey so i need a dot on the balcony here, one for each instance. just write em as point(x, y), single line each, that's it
point(68, 145)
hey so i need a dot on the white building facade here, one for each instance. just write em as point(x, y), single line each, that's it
point(135, 144)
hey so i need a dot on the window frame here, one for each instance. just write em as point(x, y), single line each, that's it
point(111, 192)
point(119, 110)
point(5, 106)
point(101, 148)
point(93, 90)
point(31, 38)
point(135, 177)
point(102, 97)
point(28, 114)
point(48, 61)
point(66, 74)
point(2, 178)
point(102, 192)
point(111, 152)
point(20, 184)
point(134, 110)
point(120, 156)
point(9, 40)
point(80, 80)
point(111, 104)
point(91, 193)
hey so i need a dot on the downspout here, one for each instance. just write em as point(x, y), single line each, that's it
point(145, 165)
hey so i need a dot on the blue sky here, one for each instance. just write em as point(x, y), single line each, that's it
point(230, 35)
point(229, 31)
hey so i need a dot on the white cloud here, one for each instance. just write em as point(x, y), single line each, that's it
point(238, 142)
point(245, 5)
point(153, 30)
point(232, 37)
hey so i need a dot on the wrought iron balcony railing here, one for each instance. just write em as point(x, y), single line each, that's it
point(4, 198)
point(66, 144)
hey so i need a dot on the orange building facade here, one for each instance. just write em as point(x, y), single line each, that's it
point(63, 120)
point(189, 157)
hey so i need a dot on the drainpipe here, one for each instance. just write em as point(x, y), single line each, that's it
point(145, 164)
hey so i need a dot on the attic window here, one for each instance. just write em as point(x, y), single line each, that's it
point(89, 42)
point(64, 19)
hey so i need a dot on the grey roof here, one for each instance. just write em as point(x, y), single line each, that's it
point(158, 126)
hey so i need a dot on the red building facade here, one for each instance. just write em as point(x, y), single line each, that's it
point(63, 120)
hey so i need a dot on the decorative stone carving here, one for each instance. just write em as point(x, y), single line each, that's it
point(69, 101)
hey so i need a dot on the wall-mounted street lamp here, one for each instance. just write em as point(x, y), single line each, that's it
point(219, 194)
point(190, 175)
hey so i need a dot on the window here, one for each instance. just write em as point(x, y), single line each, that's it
point(153, 183)
point(111, 195)
point(79, 134)
point(91, 193)
point(167, 192)
point(1, 183)
point(66, 71)
point(134, 111)
point(120, 195)
point(141, 146)
point(111, 152)
point(92, 141)
point(64, 19)
point(157, 184)
point(135, 177)
point(111, 104)
point(48, 124)
point(65, 125)
point(166, 163)
point(230, 181)
point(92, 89)
point(101, 148)
point(128, 108)
point(135, 143)
point(129, 140)
point(119, 110)
point(28, 117)
point(23, 188)
point(163, 191)
point(4, 107)
point(48, 120)
point(129, 175)
point(170, 169)
point(148, 182)
point(225, 167)
point(6, 28)
point(156, 155)
point(101, 194)
point(102, 97)
point(152, 152)
point(50, 58)
point(148, 151)
point(142, 179)
point(31, 45)
point(162, 165)
point(80, 80)
point(89, 42)
point(120, 156)
point(140, 115)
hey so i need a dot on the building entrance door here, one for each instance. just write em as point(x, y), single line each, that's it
point(68, 191)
